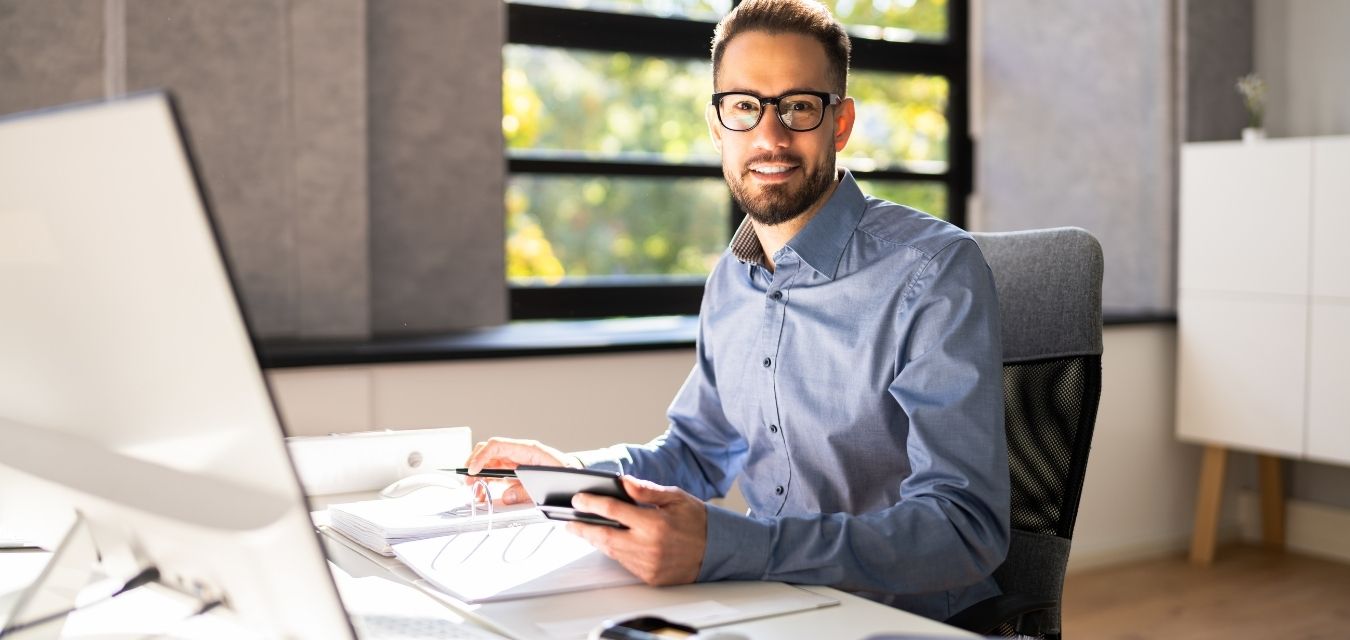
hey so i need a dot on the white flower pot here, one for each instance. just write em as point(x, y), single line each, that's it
point(1252, 134)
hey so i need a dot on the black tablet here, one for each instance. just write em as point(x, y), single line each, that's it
point(552, 489)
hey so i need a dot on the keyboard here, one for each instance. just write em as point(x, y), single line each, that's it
point(391, 627)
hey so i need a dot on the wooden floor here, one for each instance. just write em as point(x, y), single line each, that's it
point(1247, 593)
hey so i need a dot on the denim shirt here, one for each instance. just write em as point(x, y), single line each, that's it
point(856, 393)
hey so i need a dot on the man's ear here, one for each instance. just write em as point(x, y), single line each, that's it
point(714, 127)
point(844, 116)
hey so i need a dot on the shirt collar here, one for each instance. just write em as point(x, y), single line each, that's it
point(822, 241)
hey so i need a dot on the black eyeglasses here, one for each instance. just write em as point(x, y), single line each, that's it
point(798, 111)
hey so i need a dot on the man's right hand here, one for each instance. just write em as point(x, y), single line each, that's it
point(509, 453)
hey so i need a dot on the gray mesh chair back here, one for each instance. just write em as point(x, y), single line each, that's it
point(1049, 285)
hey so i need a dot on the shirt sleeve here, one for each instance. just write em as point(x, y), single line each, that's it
point(950, 527)
point(700, 451)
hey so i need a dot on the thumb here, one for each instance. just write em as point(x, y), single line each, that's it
point(647, 492)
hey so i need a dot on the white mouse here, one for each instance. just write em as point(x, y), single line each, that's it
point(417, 481)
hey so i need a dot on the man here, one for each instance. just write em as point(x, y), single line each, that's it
point(848, 365)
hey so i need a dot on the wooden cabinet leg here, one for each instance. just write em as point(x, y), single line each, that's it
point(1208, 500)
point(1272, 502)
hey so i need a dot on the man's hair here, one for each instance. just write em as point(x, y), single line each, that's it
point(804, 17)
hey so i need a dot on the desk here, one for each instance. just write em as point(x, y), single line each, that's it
point(853, 617)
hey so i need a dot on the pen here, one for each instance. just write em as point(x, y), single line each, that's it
point(488, 473)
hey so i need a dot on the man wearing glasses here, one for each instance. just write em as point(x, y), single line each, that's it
point(848, 365)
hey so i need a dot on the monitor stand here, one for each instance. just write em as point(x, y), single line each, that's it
point(41, 610)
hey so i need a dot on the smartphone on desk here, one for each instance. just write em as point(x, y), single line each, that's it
point(552, 488)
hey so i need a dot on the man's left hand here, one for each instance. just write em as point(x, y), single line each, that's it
point(664, 542)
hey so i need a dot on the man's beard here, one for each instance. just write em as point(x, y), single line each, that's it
point(778, 203)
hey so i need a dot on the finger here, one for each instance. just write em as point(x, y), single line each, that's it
point(646, 492)
point(510, 453)
point(599, 536)
point(514, 493)
point(497, 452)
point(607, 507)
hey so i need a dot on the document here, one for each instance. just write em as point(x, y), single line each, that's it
point(512, 562)
point(380, 524)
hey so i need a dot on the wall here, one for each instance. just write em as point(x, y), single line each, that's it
point(358, 189)
point(1214, 48)
point(1074, 124)
point(1137, 500)
point(1303, 53)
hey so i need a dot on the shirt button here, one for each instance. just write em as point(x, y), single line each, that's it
point(767, 362)
point(777, 295)
point(779, 490)
point(773, 428)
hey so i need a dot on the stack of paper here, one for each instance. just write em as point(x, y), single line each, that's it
point(518, 562)
point(380, 524)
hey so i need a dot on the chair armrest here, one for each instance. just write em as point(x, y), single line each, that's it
point(983, 616)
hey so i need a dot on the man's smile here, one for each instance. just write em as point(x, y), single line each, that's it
point(773, 172)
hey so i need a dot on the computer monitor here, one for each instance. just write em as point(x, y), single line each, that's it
point(129, 388)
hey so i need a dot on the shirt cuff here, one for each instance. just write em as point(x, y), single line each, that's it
point(607, 459)
point(737, 547)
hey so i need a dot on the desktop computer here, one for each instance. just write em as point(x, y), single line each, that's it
point(131, 399)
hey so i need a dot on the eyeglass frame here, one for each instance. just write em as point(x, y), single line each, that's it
point(827, 99)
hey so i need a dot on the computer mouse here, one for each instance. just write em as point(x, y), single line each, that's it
point(418, 481)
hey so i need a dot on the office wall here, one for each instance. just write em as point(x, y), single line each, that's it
point(1074, 126)
point(1303, 53)
point(1215, 41)
point(1137, 501)
point(358, 188)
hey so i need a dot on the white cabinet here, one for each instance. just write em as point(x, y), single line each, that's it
point(1264, 297)
point(1329, 346)
point(1263, 313)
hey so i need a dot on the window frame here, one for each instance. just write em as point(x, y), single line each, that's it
point(583, 29)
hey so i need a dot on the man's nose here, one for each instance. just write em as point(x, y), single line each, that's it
point(771, 133)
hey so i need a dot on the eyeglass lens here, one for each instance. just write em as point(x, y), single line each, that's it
point(799, 111)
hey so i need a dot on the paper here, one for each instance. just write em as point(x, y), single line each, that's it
point(380, 524)
point(514, 562)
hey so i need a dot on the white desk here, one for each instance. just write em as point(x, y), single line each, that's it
point(853, 617)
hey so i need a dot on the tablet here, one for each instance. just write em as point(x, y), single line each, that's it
point(552, 489)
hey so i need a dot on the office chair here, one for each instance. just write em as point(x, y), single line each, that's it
point(1049, 285)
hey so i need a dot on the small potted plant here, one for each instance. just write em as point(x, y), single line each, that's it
point(1253, 91)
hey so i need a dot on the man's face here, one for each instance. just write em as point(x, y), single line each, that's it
point(777, 174)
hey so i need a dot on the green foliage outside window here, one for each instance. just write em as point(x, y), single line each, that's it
point(881, 19)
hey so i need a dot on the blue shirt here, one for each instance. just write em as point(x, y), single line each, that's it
point(856, 392)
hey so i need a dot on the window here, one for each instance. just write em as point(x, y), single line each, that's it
point(615, 201)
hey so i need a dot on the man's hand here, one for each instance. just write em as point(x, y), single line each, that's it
point(665, 538)
point(509, 453)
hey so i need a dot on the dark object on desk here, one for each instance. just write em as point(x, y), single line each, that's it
point(552, 489)
point(1050, 301)
point(485, 473)
point(645, 628)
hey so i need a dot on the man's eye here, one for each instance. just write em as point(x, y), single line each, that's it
point(746, 105)
point(799, 106)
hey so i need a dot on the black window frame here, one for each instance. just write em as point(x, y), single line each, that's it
point(537, 25)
